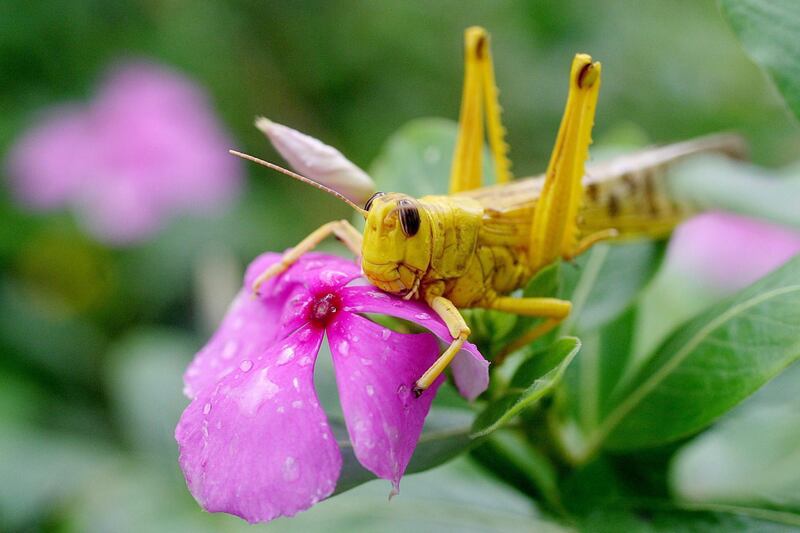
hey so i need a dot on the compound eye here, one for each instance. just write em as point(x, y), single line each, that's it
point(368, 205)
point(409, 217)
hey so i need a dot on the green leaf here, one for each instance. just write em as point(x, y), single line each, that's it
point(416, 159)
point(667, 519)
point(605, 280)
point(768, 31)
point(708, 366)
point(590, 380)
point(752, 457)
point(534, 379)
point(512, 458)
point(455, 497)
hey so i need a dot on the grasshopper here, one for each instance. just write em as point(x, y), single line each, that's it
point(475, 246)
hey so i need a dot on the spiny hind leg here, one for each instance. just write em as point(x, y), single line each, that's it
point(553, 310)
point(554, 230)
point(342, 229)
point(458, 330)
point(479, 95)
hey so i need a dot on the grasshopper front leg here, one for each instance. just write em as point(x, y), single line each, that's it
point(342, 229)
point(458, 330)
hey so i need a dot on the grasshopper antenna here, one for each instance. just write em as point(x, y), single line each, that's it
point(298, 177)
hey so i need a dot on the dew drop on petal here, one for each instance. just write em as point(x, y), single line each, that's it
point(297, 404)
point(291, 471)
point(296, 383)
point(286, 355)
point(229, 350)
point(370, 390)
point(207, 408)
point(344, 348)
point(246, 365)
point(422, 316)
point(366, 362)
point(403, 392)
point(305, 361)
point(385, 334)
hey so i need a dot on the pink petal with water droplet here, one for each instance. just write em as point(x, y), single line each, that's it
point(375, 374)
point(470, 369)
point(249, 328)
point(257, 444)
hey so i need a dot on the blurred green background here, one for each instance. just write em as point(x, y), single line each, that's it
point(93, 339)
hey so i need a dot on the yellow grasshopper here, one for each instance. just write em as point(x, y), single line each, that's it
point(475, 246)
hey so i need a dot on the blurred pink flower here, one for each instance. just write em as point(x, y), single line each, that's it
point(255, 441)
point(146, 148)
point(729, 252)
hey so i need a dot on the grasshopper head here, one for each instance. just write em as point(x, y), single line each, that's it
point(397, 243)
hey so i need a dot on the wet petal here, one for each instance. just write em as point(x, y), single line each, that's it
point(375, 371)
point(258, 445)
point(249, 328)
point(470, 369)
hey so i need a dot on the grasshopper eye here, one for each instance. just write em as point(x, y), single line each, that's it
point(409, 217)
point(371, 198)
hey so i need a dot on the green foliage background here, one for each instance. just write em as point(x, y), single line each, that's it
point(93, 340)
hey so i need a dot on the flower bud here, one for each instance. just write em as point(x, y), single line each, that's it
point(318, 161)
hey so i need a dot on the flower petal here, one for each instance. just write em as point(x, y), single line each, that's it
point(258, 445)
point(470, 369)
point(375, 372)
point(249, 328)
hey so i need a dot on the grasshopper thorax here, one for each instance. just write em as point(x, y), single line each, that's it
point(397, 243)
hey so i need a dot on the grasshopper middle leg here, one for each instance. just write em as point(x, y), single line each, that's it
point(553, 310)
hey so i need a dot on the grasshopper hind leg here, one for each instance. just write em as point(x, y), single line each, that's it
point(479, 105)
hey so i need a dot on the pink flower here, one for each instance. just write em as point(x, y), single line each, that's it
point(148, 147)
point(728, 251)
point(255, 442)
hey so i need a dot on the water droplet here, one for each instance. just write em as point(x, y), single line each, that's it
point(286, 355)
point(377, 295)
point(370, 390)
point(297, 404)
point(366, 362)
point(291, 471)
point(281, 409)
point(296, 383)
point(229, 350)
point(344, 348)
point(246, 365)
point(207, 408)
point(403, 392)
point(422, 316)
point(386, 333)
point(305, 361)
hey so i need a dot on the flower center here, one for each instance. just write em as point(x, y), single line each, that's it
point(324, 308)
